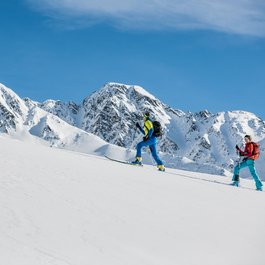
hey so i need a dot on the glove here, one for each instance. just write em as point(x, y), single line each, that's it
point(237, 148)
point(138, 125)
point(145, 138)
point(241, 153)
point(245, 159)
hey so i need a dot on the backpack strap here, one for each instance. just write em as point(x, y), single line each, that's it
point(255, 147)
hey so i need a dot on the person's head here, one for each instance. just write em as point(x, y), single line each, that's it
point(146, 115)
point(247, 138)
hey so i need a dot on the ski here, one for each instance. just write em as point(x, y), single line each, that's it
point(123, 162)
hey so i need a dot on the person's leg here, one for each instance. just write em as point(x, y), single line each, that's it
point(251, 166)
point(139, 150)
point(160, 164)
point(237, 168)
point(154, 154)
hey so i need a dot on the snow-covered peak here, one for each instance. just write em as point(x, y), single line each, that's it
point(143, 92)
point(10, 100)
point(113, 89)
point(112, 112)
point(134, 98)
point(66, 111)
point(30, 103)
point(13, 110)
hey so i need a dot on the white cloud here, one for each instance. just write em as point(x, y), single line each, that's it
point(245, 17)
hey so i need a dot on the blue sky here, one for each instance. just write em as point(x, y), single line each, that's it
point(192, 55)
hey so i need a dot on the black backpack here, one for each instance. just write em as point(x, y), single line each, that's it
point(158, 131)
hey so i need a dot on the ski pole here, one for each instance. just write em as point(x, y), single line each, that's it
point(239, 158)
point(133, 140)
point(238, 153)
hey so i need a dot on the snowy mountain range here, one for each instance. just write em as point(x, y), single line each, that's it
point(203, 141)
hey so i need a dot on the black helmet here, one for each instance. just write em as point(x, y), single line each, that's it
point(147, 114)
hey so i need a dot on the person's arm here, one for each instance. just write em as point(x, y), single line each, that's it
point(138, 126)
point(241, 152)
point(248, 150)
point(150, 132)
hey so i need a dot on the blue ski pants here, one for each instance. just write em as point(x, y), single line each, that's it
point(251, 166)
point(152, 145)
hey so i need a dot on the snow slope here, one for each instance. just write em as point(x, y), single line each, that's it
point(61, 207)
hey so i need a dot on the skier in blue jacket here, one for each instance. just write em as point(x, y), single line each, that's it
point(148, 140)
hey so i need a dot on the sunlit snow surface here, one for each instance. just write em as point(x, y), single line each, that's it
point(60, 207)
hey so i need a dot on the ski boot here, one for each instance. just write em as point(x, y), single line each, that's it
point(235, 183)
point(161, 168)
point(137, 161)
point(260, 188)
